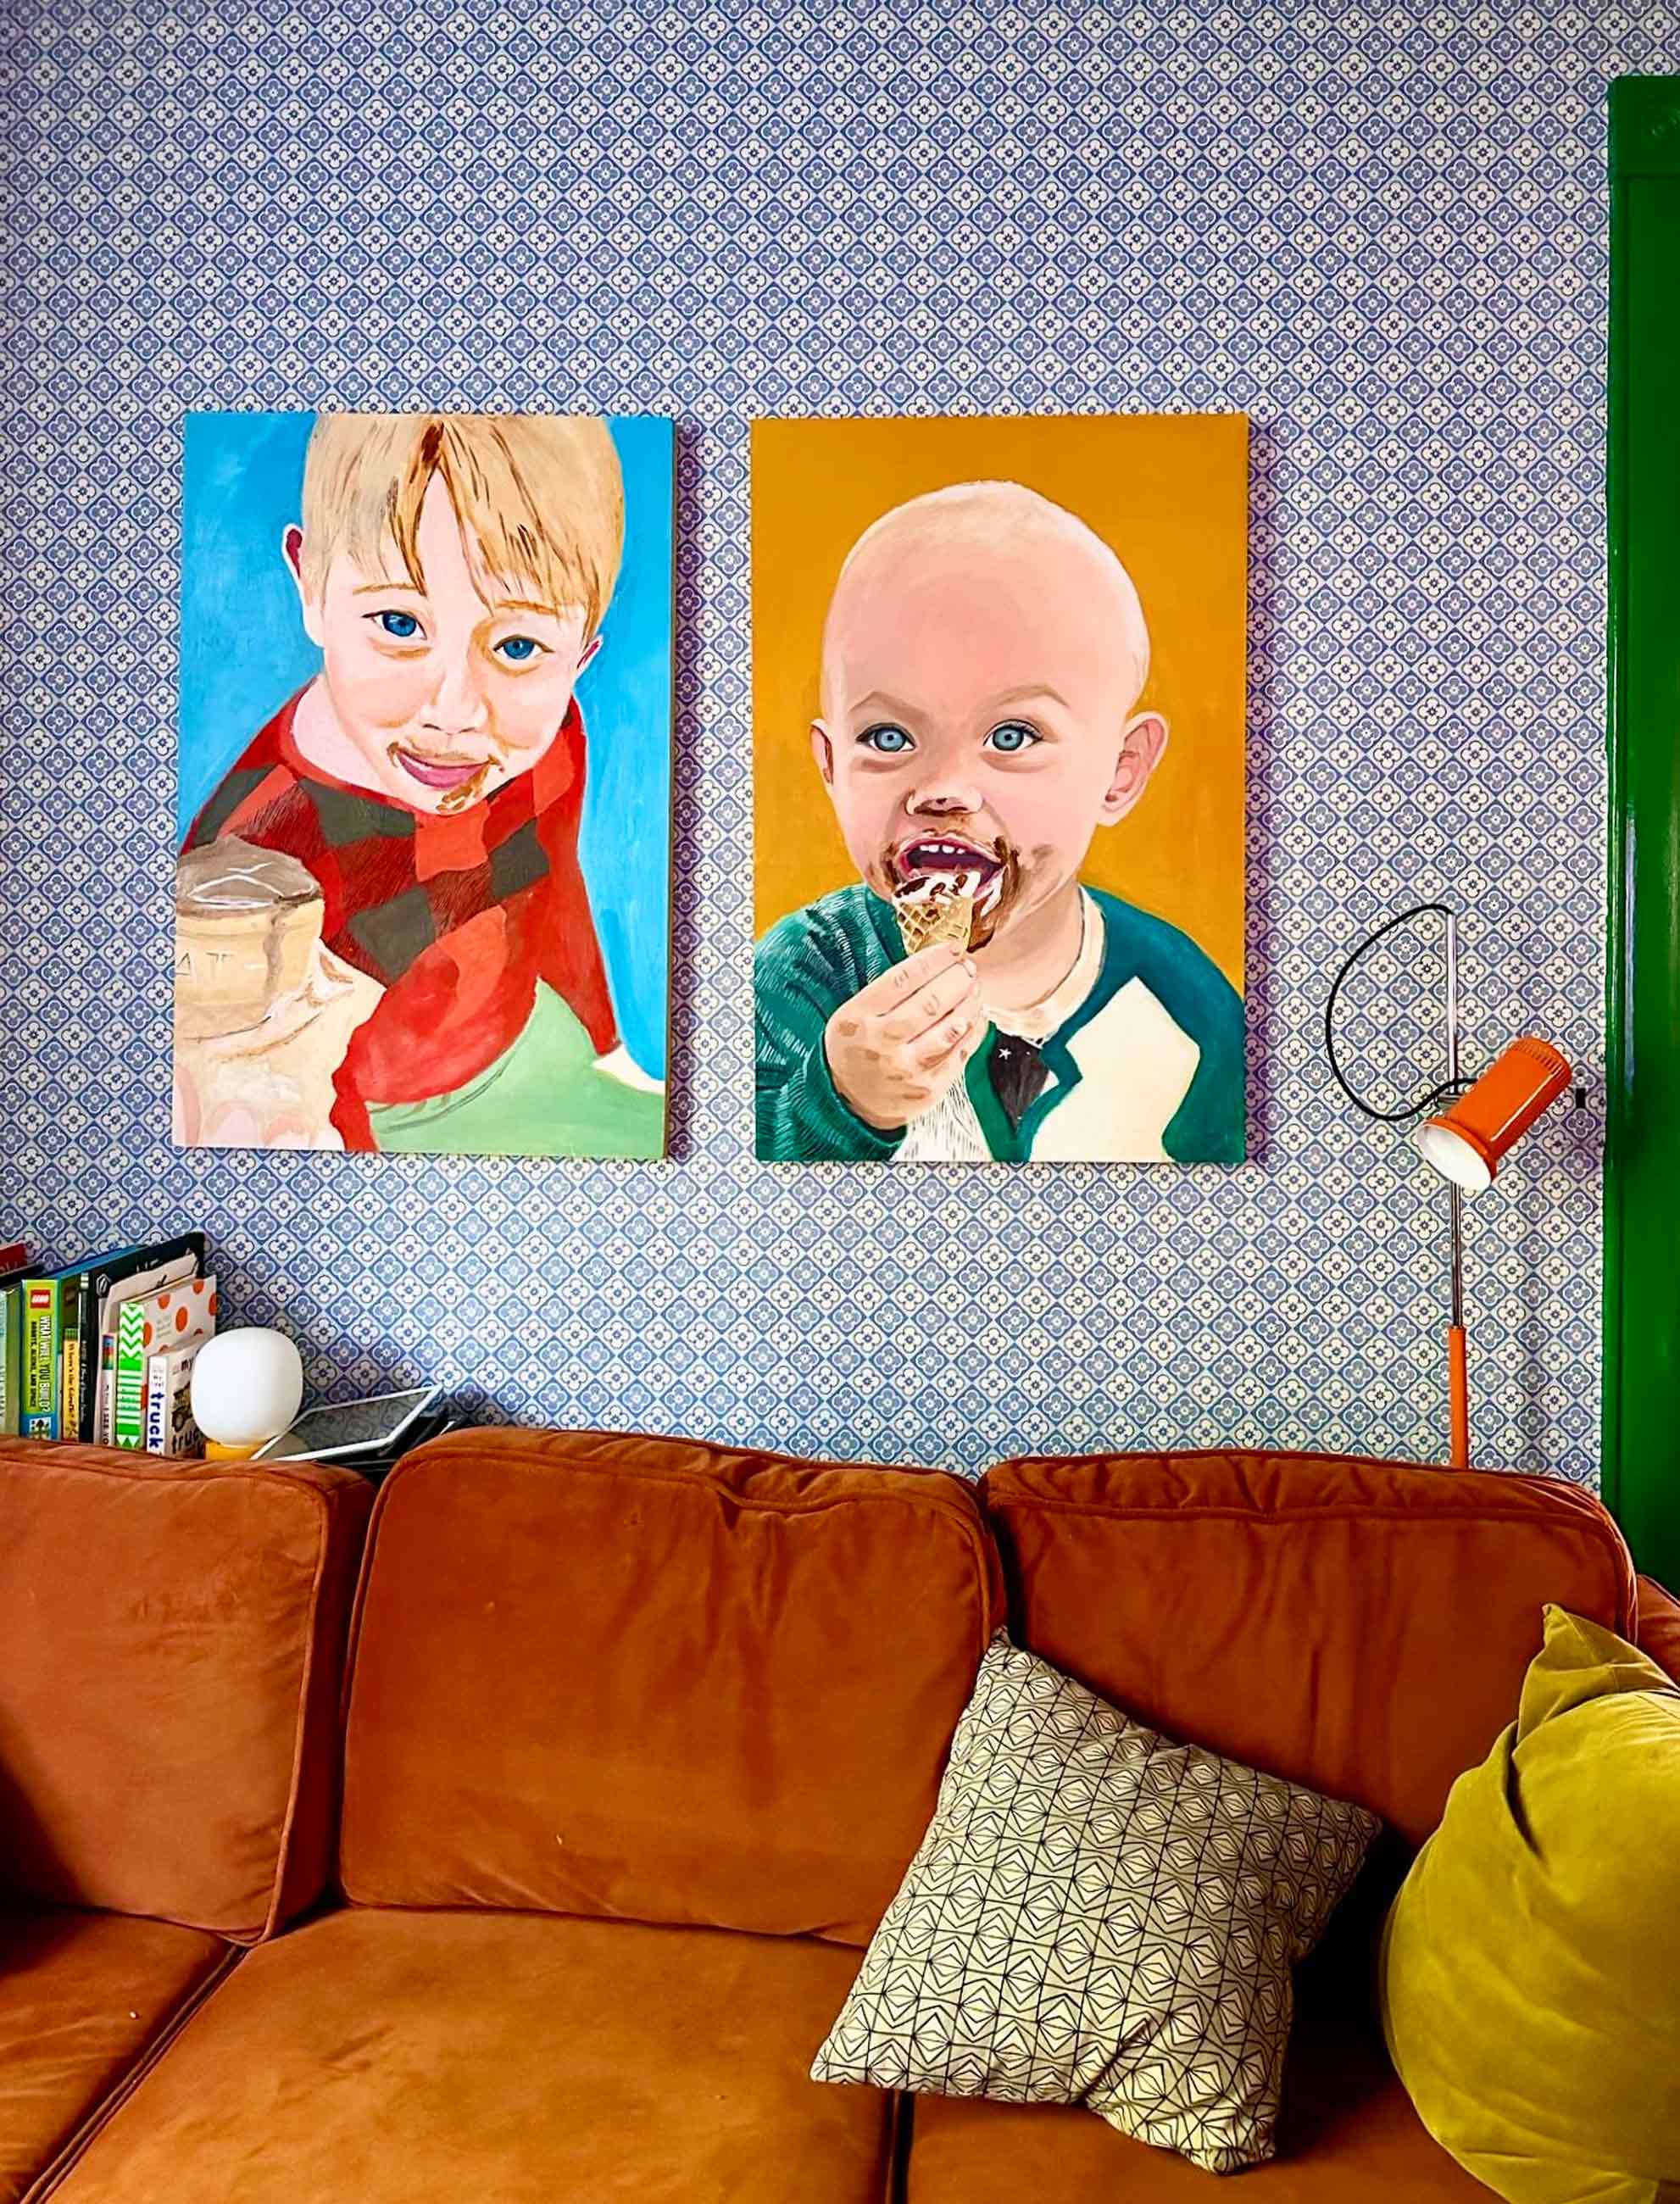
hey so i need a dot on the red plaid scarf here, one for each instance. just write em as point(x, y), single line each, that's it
point(456, 917)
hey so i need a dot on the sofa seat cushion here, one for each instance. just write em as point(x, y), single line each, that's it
point(1348, 2135)
point(82, 1997)
point(379, 2057)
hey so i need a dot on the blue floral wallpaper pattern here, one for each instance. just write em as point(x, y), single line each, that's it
point(1378, 229)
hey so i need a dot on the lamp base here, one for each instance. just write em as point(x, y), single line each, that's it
point(217, 1450)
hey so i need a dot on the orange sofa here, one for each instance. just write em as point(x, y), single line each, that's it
point(171, 1654)
point(638, 1737)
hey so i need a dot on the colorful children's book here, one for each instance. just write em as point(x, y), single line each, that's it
point(178, 1261)
point(170, 1428)
point(43, 1342)
point(70, 1368)
point(152, 1324)
point(158, 1264)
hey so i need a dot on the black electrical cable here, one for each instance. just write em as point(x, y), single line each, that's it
point(1443, 1094)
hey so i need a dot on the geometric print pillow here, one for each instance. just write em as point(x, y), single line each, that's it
point(1099, 1916)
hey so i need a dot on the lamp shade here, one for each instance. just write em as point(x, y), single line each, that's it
point(246, 1387)
point(1467, 1142)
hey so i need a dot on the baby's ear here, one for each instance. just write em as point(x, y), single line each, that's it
point(1141, 750)
point(822, 749)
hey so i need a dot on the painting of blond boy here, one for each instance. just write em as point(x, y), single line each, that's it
point(417, 908)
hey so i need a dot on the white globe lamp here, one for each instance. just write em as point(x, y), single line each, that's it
point(247, 1386)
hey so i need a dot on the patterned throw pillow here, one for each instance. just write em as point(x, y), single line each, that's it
point(1099, 1916)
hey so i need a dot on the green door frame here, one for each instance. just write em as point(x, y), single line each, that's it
point(1642, 1180)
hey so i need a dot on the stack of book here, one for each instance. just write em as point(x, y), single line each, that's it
point(103, 1350)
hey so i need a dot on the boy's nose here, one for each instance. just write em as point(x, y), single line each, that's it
point(456, 706)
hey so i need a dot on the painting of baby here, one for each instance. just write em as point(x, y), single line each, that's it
point(984, 710)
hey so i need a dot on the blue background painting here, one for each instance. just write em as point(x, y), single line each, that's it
point(243, 652)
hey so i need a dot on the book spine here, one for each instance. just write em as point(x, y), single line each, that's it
point(69, 1365)
point(86, 1337)
point(41, 1319)
point(129, 1420)
point(106, 1410)
point(157, 1404)
point(170, 1428)
point(11, 1361)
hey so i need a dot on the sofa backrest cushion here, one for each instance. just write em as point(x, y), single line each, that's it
point(656, 1679)
point(171, 1660)
point(1660, 1625)
point(1362, 1626)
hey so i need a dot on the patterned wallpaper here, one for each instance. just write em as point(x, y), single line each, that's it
point(1379, 230)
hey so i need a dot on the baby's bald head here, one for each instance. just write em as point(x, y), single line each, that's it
point(1008, 538)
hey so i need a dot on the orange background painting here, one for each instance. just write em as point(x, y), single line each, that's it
point(1168, 492)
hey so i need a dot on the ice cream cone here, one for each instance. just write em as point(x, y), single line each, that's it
point(924, 920)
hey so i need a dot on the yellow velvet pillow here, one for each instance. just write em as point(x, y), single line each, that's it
point(1531, 1963)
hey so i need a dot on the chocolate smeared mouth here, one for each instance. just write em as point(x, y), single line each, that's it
point(942, 864)
point(444, 773)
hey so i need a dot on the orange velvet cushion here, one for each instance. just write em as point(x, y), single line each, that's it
point(1362, 1627)
point(1660, 1625)
point(81, 1997)
point(1348, 2135)
point(389, 2058)
point(171, 1648)
point(657, 1679)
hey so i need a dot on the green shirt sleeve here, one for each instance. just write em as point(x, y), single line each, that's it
point(803, 969)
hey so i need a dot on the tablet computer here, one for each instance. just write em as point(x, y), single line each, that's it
point(369, 1426)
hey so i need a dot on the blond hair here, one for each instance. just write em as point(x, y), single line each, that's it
point(540, 499)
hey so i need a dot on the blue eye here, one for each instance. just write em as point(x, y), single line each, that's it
point(888, 741)
point(402, 625)
point(517, 648)
point(1012, 738)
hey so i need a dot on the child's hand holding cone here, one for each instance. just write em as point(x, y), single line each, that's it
point(896, 1046)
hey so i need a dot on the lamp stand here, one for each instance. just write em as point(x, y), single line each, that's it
point(1457, 1382)
point(1465, 1144)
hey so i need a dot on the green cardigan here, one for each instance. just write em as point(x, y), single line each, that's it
point(816, 959)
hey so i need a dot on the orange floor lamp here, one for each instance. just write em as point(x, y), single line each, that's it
point(1471, 1126)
